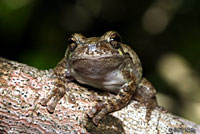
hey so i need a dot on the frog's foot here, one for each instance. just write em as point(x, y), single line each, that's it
point(99, 111)
point(54, 95)
point(113, 104)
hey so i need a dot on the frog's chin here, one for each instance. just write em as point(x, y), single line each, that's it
point(105, 73)
point(95, 67)
point(110, 80)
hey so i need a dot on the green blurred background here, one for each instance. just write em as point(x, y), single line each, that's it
point(164, 33)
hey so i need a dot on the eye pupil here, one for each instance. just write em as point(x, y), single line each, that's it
point(70, 41)
point(72, 44)
point(115, 41)
point(116, 37)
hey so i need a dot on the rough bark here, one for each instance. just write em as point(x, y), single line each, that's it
point(22, 87)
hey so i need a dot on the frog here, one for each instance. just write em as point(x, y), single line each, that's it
point(104, 63)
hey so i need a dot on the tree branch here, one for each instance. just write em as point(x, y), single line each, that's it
point(22, 87)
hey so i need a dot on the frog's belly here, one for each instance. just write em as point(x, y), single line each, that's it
point(111, 82)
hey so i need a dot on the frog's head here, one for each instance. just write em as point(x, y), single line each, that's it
point(108, 45)
point(94, 56)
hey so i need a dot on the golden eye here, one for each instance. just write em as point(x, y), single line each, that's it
point(72, 44)
point(71, 40)
point(115, 40)
point(115, 37)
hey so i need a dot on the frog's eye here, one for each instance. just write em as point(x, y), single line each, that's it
point(115, 41)
point(71, 40)
point(72, 44)
point(115, 37)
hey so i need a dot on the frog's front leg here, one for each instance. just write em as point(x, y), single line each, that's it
point(59, 76)
point(118, 102)
point(55, 94)
point(146, 95)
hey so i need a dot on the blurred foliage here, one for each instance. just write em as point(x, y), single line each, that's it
point(35, 32)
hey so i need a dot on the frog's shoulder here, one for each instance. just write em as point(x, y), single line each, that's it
point(134, 57)
point(127, 50)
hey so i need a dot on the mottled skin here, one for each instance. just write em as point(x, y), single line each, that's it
point(104, 63)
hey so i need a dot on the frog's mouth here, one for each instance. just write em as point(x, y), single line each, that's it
point(95, 66)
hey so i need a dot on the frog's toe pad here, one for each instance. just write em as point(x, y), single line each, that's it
point(51, 107)
point(98, 112)
point(44, 101)
point(92, 112)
